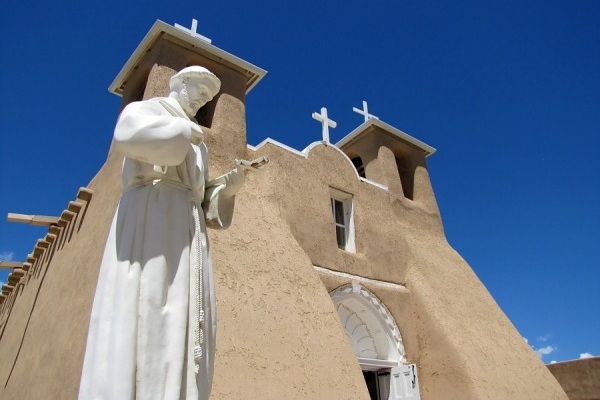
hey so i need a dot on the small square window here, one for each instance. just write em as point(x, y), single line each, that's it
point(343, 219)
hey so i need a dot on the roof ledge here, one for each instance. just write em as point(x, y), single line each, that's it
point(163, 31)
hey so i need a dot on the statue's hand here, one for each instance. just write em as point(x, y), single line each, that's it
point(254, 165)
point(197, 134)
point(234, 180)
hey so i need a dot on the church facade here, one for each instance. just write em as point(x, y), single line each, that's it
point(335, 281)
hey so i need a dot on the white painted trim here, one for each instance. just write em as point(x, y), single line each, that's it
point(372, 364)
point(370, 182)
point(358, 278)
point(253, 73)
point(311, 146)
point(404, 383)
point(356, 290)
point(428, 150)
point(278, 144)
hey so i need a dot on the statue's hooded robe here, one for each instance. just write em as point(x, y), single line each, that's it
point(146, 313)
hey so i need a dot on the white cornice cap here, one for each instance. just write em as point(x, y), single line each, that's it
point(373, 122)
point(161, 29)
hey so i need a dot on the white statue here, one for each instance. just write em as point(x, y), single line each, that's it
point(153, 324)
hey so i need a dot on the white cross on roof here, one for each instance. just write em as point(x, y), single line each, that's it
point(364, 112)
point(325, 121)
point(192, 30)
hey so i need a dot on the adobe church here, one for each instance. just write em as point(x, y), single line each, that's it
point(335, 280)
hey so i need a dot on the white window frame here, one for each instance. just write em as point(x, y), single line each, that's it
point(347, 225)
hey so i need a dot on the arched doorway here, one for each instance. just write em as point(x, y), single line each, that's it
point(376, 341)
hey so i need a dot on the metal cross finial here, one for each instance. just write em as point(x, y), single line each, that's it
point(364, 112)
point(192, 30)
point(325, 121)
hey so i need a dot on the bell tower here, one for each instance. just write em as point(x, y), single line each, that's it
point(167, 49)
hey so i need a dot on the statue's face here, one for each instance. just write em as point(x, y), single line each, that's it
point(194, 94)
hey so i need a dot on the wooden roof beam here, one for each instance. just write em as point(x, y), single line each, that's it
point(36, 220)
point(75, 207)
point(42, 243)
point(10, 264)
point(7, 289)
point(18, 272)
point(85, 194)
point(51, 238)
point(67, 216)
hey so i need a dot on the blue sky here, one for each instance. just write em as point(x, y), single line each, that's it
point(507, 91)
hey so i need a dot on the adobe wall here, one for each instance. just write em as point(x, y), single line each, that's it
point(279, 336)
point(464, 345)
point(579, 378)
point(43, 340)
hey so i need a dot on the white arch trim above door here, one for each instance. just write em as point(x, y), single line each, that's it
point(369, 326)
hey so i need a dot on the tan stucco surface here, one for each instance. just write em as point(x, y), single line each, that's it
point(43, 340)
point(463, 344)
point(279, 336)
point(579, 378)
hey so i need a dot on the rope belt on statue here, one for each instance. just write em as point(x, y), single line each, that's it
point(197, 275)
point(196, 268)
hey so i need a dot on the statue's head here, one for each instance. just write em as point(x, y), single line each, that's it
point(193, 87)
